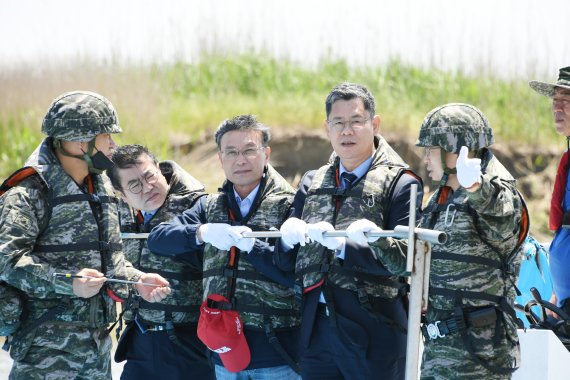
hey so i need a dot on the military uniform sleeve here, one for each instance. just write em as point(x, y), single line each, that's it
point(390, 252)
point(178, 237)
point(23, 216)
point(499, 208)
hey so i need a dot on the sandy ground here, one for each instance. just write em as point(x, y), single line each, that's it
point(6, 364)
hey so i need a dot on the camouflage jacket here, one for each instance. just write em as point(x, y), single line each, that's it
point(49, 224)
point(256, 296)
point(368, 198)
point(483, 230)
point(182, 306)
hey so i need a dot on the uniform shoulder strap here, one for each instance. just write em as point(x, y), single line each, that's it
point(17, 177)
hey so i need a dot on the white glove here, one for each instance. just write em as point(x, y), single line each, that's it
point(357, 229)
point(316, 230)
point(294, 231)
point(468, 169)
point(220, 235)
point(244, 244)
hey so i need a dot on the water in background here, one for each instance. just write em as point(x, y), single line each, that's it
point(508, 38)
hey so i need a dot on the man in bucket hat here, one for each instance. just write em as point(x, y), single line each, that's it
point(560, 203)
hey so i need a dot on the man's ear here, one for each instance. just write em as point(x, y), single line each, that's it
point(121, 195)
point(376, 125)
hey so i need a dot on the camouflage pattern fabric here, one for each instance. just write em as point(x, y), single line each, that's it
point(183, 192)
point(80, 354)
point(499, 211)
point(368, 199)
point(39, 234)
point(80, 116)
point(547, 89)
point(12, 305)
point(454, 125)
point(275, 200)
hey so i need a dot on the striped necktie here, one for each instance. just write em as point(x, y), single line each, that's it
point(348, 179)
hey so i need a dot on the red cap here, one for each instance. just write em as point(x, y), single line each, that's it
point(222, 332)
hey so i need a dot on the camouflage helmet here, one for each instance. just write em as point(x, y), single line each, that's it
point(80, 116)
point(454, 125)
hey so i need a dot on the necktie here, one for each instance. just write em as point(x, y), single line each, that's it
point(147, 216)
point(348, 179)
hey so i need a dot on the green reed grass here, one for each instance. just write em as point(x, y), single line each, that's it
point(182, 101)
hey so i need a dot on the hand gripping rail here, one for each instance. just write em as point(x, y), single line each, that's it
point(401, 232)
point(417, 268)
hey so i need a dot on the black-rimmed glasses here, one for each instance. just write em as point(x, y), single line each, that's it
point(150, 178)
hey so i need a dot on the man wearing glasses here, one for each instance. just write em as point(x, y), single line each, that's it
point(354, 317)
point(239, 273)
point(160, 339)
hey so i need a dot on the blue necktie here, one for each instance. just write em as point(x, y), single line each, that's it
point(147, 216)
point(348, 179)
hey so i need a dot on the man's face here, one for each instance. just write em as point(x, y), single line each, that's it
point(351, 131)
point(243, 159)
point(432, 160)
point(561, 110)
point(143, 186)
point(105, 144)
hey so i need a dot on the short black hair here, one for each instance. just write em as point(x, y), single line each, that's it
point(242, 123)
point(348, 91)
point(124, 157)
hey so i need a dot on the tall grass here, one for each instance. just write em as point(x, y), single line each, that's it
point(157, 104)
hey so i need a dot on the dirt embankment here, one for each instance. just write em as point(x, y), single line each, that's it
point(296, 151)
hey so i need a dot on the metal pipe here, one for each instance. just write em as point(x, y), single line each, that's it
point(401, 232)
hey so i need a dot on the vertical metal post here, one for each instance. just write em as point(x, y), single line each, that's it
point(415, 311)
point(412, 225)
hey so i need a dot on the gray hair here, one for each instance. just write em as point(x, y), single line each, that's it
point(242, 123)
point(348, 91)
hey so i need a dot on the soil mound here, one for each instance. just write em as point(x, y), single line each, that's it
point(296, 151)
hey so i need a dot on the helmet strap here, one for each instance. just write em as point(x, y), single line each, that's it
point(446, 170)
point(57, 145)
point(88, 156)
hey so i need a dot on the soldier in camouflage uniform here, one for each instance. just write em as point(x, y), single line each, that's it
point(58, 215)
point(160, 340)
point(354, 318)
point(254, 197)
point(470, 330)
